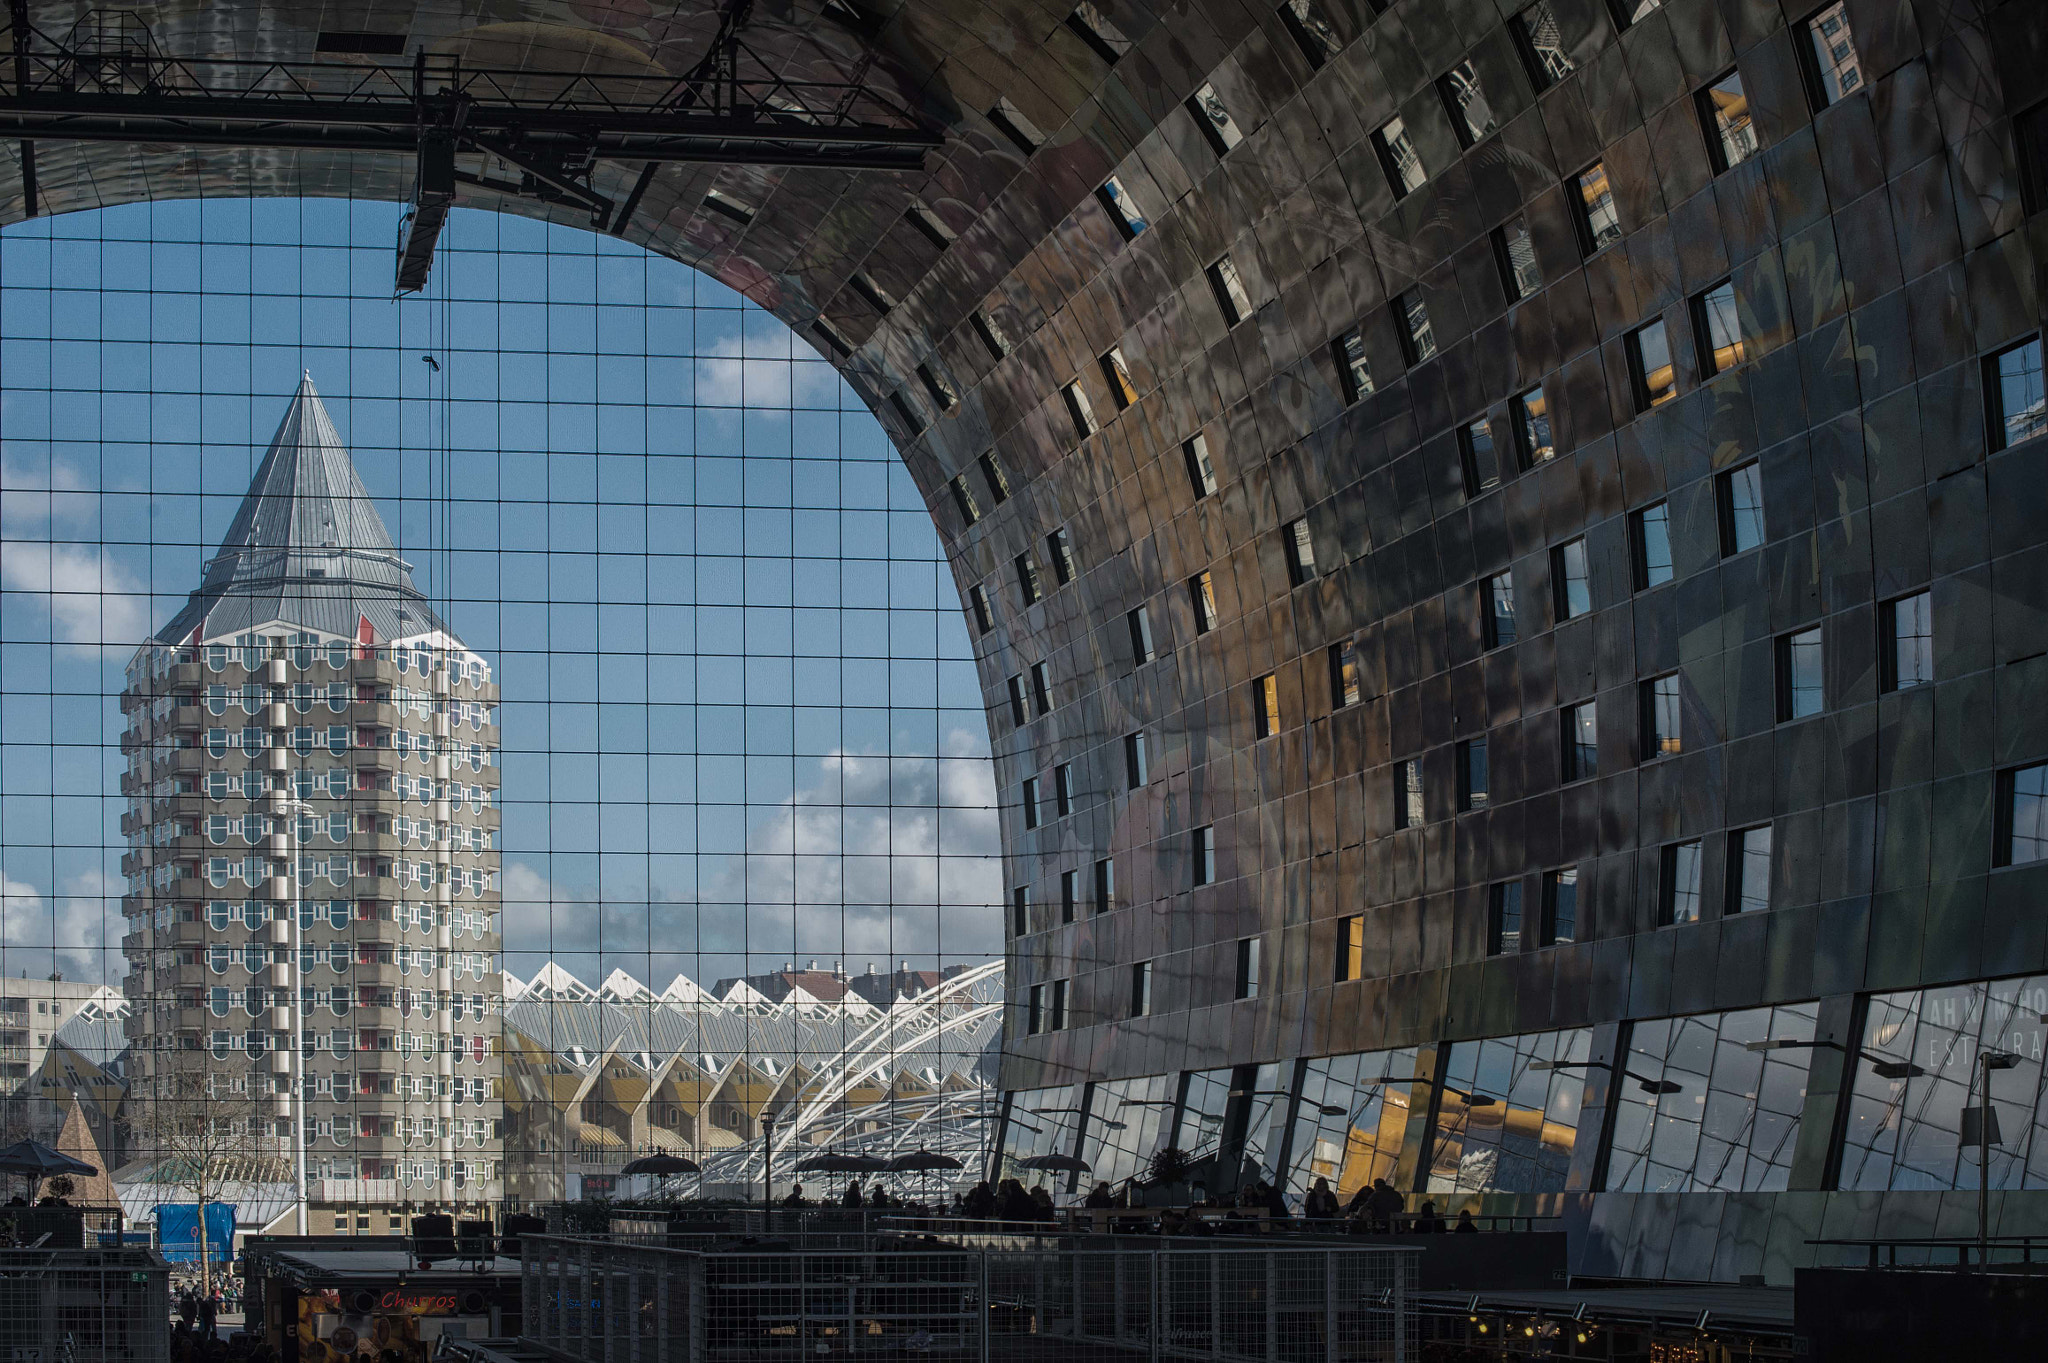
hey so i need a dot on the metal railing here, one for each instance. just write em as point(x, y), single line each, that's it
point(85, 1304)
point(2020, 1253)
point(607, 1302)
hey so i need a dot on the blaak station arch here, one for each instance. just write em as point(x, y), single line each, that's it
point(1879, 248)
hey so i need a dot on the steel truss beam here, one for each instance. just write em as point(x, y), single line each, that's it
point(107, 81)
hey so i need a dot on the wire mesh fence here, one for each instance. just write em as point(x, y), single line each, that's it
point(628, 1303)
point(75, 1305)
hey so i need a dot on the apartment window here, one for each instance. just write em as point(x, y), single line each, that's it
point(1599, 222)
point(1141, 989)
point(1408, 802)
point(963, 499)
point(2024, 810)
point(1661, 736)
point(1724, 117)
point(1117, 374)
point(1345, 690)
point(1135, 772)
point(1477, 463)
point(1063, 792)
point(1056, 1009)
point(1020, 910)
point(1029, 800)
point(1351, 948)
point(1514, 255)
point(977, 601)
point(1041, 687)
point(1034, 1010)
point(1201, 471)
point(1568, 578)
point(1418, 338)
point(1070, 888)
point(1010, 121)
point(1079, 410)
point(941, 391)
point(1019, 715)
point(2012, 380)
point(1202, 595)
point(1473, 774)
point(1354, 372)
point(2030, 132)
point(1649, 542)
point(1499, 620)
point(867, 288)
point(1140, 623)
point(1680, 884)
point(1908, 625)
point(1266, 706)
point(1504, 918)
point(1749, 870)
point(1627, 12)
point(834, 342)
point(1560, 907)
point(1105, 885)
point(723, 204)
point(1059, 550)
point(1718, 329)
point(1248, 968)
point(1800, 687)
point(1229, 289)
point(1532, 428)
point(1123, 210)
point(1739, 497)
point(1398, 158)
point(929, 225)
point(992, 474)
point(1301, 551)
point(1651, 374)
point(1833, 69)
point(1471, 116)
point(1093, 27)
point(1202, 855)
point(1541, 41)
point(991, 333)
point(1214, 119)
point(1311, 32)
point(1581, 731)
point(1028, 585)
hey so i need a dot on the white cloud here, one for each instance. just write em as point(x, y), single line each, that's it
point(94, 601)
point(78, 934)
point(761, 373)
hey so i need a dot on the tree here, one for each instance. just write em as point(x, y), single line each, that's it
point(202, 1133)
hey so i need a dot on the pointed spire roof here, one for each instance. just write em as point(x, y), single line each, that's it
point(306, 546)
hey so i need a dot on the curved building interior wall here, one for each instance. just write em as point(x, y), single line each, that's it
point(1501, 534)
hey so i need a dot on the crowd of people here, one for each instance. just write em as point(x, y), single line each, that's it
point(196, 1333)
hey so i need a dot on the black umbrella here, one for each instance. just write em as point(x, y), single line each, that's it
point(832, 1162)
point(922, 1162)
point(37, 1162)
point(660, 1165)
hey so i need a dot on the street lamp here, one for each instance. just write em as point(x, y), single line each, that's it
point(1469, 1099)
point(1883, 1066)
point(1327, 1109)
point(1987, 1135)
point(1656, 1088)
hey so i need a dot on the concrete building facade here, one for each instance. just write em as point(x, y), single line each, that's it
point(312, 871)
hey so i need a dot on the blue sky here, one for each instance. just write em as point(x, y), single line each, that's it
point(740, 713)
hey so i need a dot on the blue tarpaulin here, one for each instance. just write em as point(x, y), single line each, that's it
point(177, 1231)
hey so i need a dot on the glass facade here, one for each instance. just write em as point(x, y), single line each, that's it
point(1904, 1124)
point(1521, 1141)
point(1348, 1126)
point(1126, 1118)
point(1696, 1111)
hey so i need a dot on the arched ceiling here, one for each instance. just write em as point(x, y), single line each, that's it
point(812, 229)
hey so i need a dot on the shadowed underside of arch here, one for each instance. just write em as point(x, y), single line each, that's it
point(1435, 484)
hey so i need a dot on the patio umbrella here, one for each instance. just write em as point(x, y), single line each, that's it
point(37, 1161)
point(1057, 1164)
point(923, 1163)
point(661, 1166)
